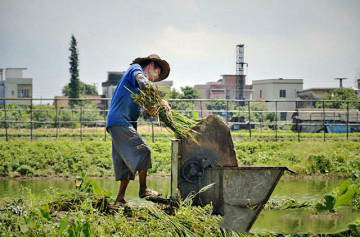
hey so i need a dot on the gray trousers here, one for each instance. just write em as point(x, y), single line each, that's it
point(129, 152)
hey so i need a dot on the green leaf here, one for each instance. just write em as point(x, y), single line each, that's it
point(86, 229)
point(45, 214)
point(348, 197)
point(344, 187)
point(329, 202)
point(23, 225)
point(63, 224)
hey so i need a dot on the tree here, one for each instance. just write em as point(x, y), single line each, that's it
point(189, 93)
point(174, 94)
point(85, 89)
point(339, 95)
point(186, 93)
point(74, 84)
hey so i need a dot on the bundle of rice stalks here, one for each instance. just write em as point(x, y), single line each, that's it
point(150, 100)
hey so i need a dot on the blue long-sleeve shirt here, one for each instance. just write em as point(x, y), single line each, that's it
point(123, 110)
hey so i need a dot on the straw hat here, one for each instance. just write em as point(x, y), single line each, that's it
point(165, 68)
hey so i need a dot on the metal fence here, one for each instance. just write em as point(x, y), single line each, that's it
point(275, 120)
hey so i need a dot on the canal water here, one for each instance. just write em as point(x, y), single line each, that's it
point(277, 221)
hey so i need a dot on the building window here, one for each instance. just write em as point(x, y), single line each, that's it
point(283, 116)
point(282, 93)
point(260, 93)
point(23, 93)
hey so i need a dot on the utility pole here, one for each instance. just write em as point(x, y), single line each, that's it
point(340, 81)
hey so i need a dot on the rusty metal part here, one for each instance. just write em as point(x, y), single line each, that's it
point(237, 193)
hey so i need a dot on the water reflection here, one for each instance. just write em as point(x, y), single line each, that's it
point(15, 187)
point(304, 189)
point(304, 221)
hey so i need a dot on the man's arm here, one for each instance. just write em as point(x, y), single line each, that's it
point(142, 81)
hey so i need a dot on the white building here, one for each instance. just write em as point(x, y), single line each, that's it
point(278, 89)
point(13, 86)
point(109, 86)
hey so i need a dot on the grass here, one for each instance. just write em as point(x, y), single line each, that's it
point(90, 214)
point(306, 158)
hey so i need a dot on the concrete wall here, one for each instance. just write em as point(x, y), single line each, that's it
point(2, 91)
point(108, 91)
point(14, 72)
point(203, 91)
point(12, 87)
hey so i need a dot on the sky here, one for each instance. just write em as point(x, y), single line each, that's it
point(298, 39)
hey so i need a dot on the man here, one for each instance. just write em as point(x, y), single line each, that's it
point(129, 152)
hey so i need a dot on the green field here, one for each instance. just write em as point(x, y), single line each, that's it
point(69, 158)
point(160, 133)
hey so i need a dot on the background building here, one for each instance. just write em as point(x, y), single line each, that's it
point(14, 86)
point(316, 93)
point(230, 86)
point(278, 89)
point(109, 86)
point(165, 85)
point(357, 87)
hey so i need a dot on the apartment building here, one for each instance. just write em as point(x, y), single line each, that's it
point(13, 85)
point(281, 90)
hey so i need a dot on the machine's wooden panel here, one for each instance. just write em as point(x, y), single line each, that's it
point(214, 139)
point(215, 148)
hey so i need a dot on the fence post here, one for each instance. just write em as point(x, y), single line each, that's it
point(249, 124)
point(324, 119)
point(81, 111)
point(276, 122)
point(227, 112)
point(297, 121)
point(31, 119)
point(6, 124)
point(201, 109)
point(105, 109)
point(56, 119)
point(347, 121)
point(261, 122)
point(152, 131)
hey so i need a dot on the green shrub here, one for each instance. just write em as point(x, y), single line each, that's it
point(25, 170)
point(320, 163)
point(4, 170)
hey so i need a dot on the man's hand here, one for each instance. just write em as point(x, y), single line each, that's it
point(166, 104)
point(142, 81)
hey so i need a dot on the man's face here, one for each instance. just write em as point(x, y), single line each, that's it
point(154, 72)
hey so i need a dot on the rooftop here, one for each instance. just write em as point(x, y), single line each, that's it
point(279, 80)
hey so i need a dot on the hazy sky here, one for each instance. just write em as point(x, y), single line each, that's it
point(313, 40)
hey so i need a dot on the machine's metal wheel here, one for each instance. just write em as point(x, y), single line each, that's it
point(192, 170)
